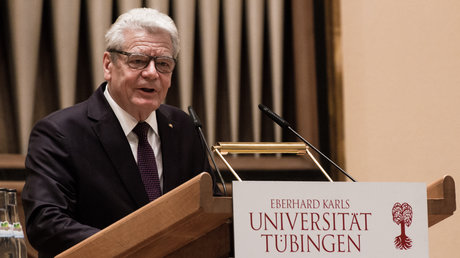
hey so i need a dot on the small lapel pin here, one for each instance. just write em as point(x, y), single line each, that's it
point(171, 125)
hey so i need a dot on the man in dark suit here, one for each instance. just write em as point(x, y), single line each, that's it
point(84, 162)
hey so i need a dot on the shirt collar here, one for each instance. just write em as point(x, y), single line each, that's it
point(127, 121)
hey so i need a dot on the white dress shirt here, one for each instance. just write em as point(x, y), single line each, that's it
point(128, 122)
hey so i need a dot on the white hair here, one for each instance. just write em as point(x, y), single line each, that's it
point(146, 19)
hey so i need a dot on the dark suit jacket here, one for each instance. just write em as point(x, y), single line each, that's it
point(82, 175)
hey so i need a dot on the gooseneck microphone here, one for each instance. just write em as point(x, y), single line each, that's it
point(197, 123)
point(281, 122)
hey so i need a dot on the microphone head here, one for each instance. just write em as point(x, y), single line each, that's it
point(273, 116)
point(196, 120)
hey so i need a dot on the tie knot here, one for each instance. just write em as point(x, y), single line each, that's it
point(141, 130)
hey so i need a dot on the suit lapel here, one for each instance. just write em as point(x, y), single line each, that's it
point(115, 144)
point(167, 130)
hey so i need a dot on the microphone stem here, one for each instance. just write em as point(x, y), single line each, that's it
point(318, 165)
point(319, 152)
point(213, 161)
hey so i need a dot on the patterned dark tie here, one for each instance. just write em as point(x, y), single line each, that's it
point(146, 162)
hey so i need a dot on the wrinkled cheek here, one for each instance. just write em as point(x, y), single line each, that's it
point(163, 97)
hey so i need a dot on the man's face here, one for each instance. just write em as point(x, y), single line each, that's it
point(139, 92)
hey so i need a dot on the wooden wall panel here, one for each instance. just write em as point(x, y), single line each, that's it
point(184, 13)
point(99, 20)
point(25, 42)
point(209, 25)
point(8, 125)
point(255, 28)
point(66, 17)
point(275, 21)
point(126, 5)
point(233, 15)
point(234, 55)
point(305, 70)
point(160, 5)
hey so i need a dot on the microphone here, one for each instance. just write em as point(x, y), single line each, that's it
point(281, 122)
point(196, 120)
point(197, 123)
point(273, 116)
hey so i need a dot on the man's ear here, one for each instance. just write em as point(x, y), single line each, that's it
point(108, 66)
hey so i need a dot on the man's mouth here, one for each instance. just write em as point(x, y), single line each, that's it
point(147, 90)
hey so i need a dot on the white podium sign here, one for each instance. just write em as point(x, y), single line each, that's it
point(322, 219)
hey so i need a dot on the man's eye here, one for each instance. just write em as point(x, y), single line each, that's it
point(163, 64)
point(138, 61)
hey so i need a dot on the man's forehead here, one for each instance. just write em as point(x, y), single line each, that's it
point(146, 32)
point(143, 38)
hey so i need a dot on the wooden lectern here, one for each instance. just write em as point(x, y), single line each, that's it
point(186, 222)
point(441, 200)
point(190, 222)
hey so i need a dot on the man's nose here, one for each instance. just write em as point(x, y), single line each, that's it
point(150, 71)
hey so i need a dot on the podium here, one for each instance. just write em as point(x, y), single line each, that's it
point(190, 222)
point(186, 222)
point(441, 200)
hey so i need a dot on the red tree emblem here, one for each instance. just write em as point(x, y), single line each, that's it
point(402, 215)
